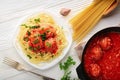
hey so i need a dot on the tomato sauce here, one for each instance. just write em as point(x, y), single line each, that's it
point(102, 57)
point(42, 40)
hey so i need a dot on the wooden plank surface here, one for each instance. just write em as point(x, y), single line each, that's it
point(11, 11)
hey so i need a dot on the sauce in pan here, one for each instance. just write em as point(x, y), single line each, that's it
point(102, 57)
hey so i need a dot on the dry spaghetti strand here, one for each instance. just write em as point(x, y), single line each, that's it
point(97, 15)
point(84, 15)
point(86, 20)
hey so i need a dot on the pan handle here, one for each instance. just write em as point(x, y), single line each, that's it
point(81, 73)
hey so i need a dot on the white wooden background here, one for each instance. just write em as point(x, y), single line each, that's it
point(11, 11)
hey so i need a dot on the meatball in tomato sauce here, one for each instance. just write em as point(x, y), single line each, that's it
point(51, 45)
point(96, 52)
point(105, 43)
point(95, 70)
point(102, 57)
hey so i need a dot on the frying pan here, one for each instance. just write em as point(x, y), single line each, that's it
point(80, 69)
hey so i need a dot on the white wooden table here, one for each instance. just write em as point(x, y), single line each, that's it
point(11, 11)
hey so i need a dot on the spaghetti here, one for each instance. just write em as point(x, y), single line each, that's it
point(84, 21)
point(41, 38)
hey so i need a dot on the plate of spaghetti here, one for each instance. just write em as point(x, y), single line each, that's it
point(42, 39)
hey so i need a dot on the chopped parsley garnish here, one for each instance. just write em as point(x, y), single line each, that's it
point(28, 33)
point(24, 25)
point(36, 41)
point(35, 49)
point(29, 56)
point(37, 20)
point(48, 44)
point(38, 35)
point(43, 36)
point(30, 47)
point(41, 54)
point(26, 39)
point(42, 29)
point(33, 27)
point(48, 31)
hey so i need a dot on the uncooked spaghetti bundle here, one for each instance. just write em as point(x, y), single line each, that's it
point(84, 21)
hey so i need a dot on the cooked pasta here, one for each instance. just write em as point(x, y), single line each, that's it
point(84, 21)
point(41, 38)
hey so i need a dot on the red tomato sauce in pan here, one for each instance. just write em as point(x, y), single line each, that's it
point(102, 57)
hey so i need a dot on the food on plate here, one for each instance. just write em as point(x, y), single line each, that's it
point(65, 11)
point(41, 39)
point(102, 57)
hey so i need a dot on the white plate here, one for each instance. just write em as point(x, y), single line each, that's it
point(62, 23)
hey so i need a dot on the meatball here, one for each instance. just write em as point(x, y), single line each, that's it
point(96, 52)
point(105, 43)
point(51, 45)
point(95, 70)
point(48, 30)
